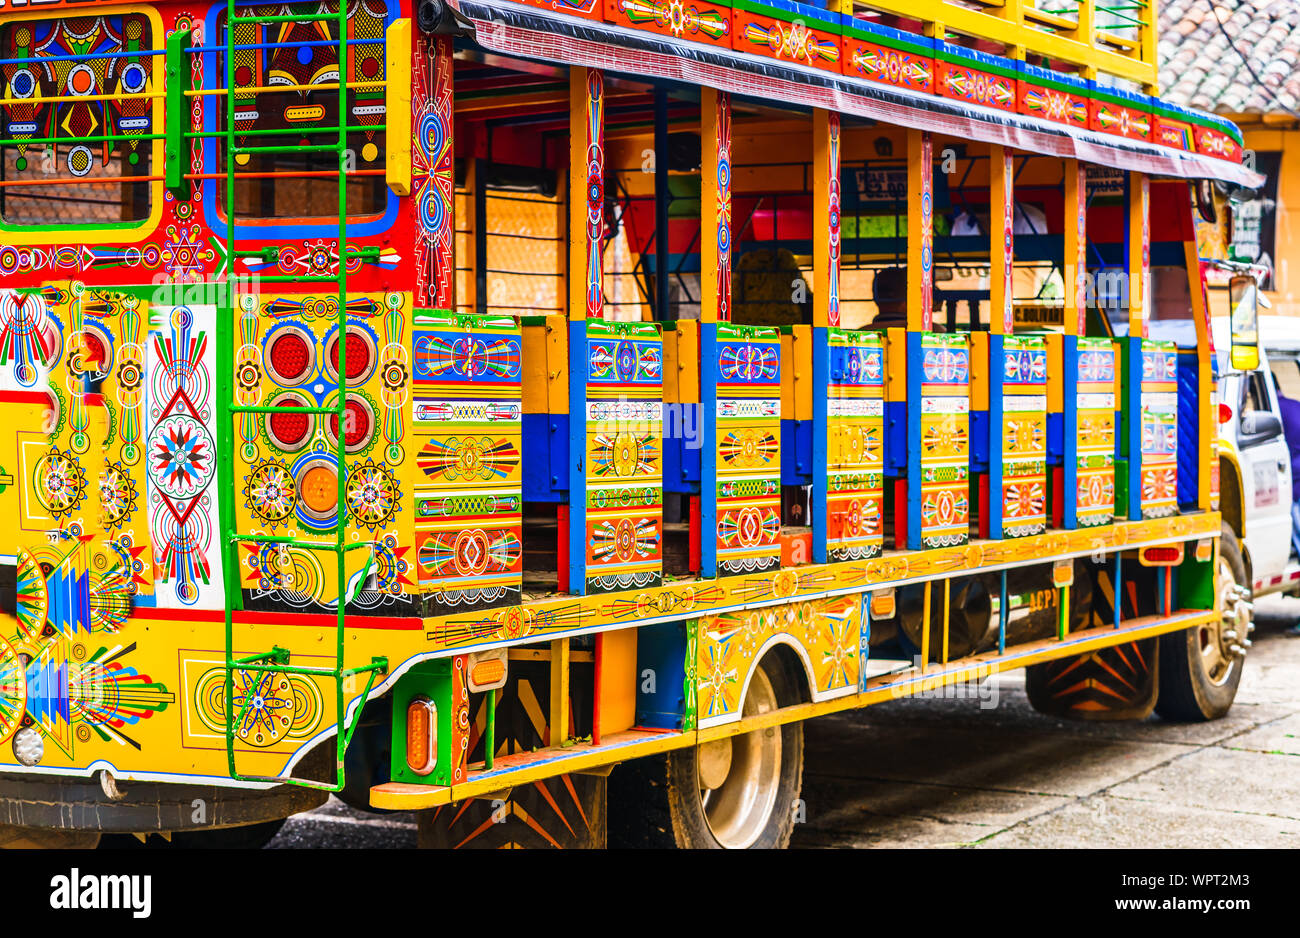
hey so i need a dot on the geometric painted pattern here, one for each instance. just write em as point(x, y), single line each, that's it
point(1095, 402)
point(945, 440)
point(1024, 436)
point(1158, 494)
point(748, 479)
point(624, 455)
point(827, 631)
point(468, 497)
point(855, 445)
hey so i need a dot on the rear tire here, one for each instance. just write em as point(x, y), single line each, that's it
point(1200, 667)
point(735, 793)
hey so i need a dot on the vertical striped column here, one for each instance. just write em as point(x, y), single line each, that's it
point(433, 172)
point(826, 306)
point(1137, 240)
point(715, 296)
point(1074, 324)
point(586, 288)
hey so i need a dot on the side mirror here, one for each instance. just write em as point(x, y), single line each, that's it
point(1244, 298)
point(1259, 427)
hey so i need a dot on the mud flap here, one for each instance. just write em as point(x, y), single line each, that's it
point(567, 811)
point(564, 811)
point(1116, 683)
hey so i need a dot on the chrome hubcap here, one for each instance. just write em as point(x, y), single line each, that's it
point(739, 776)
point(1223, 643)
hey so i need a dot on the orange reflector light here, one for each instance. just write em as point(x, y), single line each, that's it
point(1167, 556)
point(1204, 549)
point(319, 489)
point(487, 670)
point(421, 736)
point(1225, 412)
point(882, 604)
point(1063, 573)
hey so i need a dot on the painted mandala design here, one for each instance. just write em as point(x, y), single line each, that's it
point(117, 495)
point(60, 483)
point(372, 495)
point(270, 493)
point(181, 462)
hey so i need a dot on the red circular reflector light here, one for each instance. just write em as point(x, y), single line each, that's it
point(289, 432)
point(359, 357)
point(357, 426)
point(289, 357)
point(1225, 412)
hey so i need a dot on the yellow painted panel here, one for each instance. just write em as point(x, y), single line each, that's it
point(534, 368)
point(979, 371)
point(557, 365)
point(617, 682)
point(397, 107)
point(802, 373)
point(896, 364)
point(682, 363)
point(1055, 373)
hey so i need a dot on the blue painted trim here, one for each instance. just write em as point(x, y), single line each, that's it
point(577, 457)
point(858, 28)
point(821, 366)
point(914, 441)
point(1045, 76)
point(1002, 614)
point(1119, 591)
point(864, 647)
point(997, 391)
point(278, 232)
point(1133, 429)
point(709, 449)
point(1070, 431)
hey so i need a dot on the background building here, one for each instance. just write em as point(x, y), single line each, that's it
point(1241, 60)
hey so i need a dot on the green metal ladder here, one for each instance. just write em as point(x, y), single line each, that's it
point(276, 661)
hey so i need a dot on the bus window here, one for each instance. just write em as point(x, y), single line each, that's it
point(74, 181)
point(304, 184)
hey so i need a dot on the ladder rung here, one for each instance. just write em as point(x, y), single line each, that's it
point(313, 148)
point(299, 542)
point(314, 278)
point(290, 18)
point(267, 409)
point(247, 664)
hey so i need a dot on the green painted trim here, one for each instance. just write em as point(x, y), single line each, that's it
point(176, 158)
point(979, 66)
point(831, 26)
point(1055, 85)
point(889, 42)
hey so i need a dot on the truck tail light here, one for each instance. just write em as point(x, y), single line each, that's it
point(421, 736)
point(1161, 556)
point(883, 605)
point(1225, 412)
point(487, 670)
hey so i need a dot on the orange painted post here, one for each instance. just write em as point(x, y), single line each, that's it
point(920, 230)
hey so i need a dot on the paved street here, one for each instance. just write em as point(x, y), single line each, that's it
point(945, 773)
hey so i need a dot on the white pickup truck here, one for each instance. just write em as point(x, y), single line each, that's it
point(1255, 472)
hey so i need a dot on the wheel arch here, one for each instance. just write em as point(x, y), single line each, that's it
point(793, 657)
point(1232, 505)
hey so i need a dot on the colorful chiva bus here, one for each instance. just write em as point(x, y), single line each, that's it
point(420, 399)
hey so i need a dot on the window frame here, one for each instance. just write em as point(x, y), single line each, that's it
point(275, 229)
point(127, 231)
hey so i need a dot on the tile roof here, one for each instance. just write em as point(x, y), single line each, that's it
point(1198, 67)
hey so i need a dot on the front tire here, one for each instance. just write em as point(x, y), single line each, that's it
point(1200, 667)
point(733, 793)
